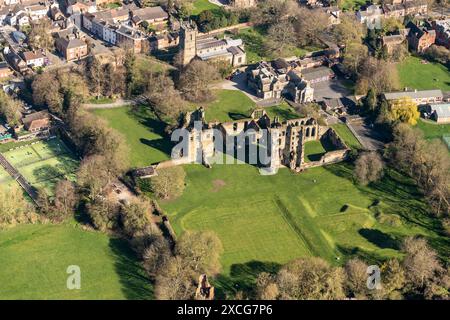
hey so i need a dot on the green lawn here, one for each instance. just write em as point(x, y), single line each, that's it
point(35, 259)
point(202, 5)
point(5, 178)
point(351, 4)
point(44, 163)
point(349, 138)
point(416, 75)
point(265, 221)
point(431, 130)
point(229, 105)
point(232, 105)
point(143, 132)
point(314, 150)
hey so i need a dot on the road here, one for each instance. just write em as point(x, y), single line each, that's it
point(366, 134)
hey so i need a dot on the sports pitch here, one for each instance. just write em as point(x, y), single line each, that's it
point(43, 163)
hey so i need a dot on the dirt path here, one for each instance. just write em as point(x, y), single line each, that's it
point(116, 104)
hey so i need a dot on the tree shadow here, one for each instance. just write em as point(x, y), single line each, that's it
point(242, 277)
point(162, 145)
point(135, 283)
point(46, 172)
point(380, 239)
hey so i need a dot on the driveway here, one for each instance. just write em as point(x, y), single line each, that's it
point(239, 82)
point(367, 135)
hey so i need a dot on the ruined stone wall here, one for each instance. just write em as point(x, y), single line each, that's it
point(328, 158)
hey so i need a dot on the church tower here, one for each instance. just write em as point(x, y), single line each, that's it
point(188, 36)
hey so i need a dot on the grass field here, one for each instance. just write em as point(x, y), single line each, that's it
point(144, 133)
point(431, 130)
point(349, 138)
point(351, 4)
point(314, 151)
point(35, 259)
point(264, 221)
point(202, 5)
point(44, 163)
point(416, 75)
point(232, 105)
point(5, 178)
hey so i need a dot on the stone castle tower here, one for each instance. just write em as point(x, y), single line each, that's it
point(188, 36)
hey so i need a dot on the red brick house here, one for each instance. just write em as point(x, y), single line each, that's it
point(420, 38)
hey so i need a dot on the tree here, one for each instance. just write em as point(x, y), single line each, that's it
point(136, 216)
point(309, 25)
point(280, 36)
point(40, 37)
point(368, 167)
point(393, 279)
point(10, 109)
point(169, 183)
point(129, 64)
point(354, 55)
point(379, 75)
point(92, 176)
point(156, 255)
point(310, 278)
point(266, 288)
point(174, 281)
point(420, 262)
point(348, 31)
point(96, 76)
point(65, 197)
point(46, 92)
point(356, 278)
point(14, 208)
point(103, 213)
point(163, 98)
point(195, 81)
point(196, 253)
point(200, 251)
point(403, 110)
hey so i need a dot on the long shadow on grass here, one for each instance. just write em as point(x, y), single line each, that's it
point(379, 238)
point(366, 256)
point(242, 278)
point(135, 284)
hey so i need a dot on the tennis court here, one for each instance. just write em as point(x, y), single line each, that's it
point(43, 163)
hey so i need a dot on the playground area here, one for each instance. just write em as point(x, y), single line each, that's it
point(43, 163)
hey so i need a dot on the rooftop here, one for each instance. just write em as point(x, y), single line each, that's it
point(413, 94)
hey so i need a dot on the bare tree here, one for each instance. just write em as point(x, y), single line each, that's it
point(368, 167)
point(65, 197)
point(195, 81)
point(420, 262)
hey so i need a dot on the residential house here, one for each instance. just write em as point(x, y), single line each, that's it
point(3, 14)
point(420, 37)
point(440, 112)
point(130, 38)
point(33, 59)
point(402, 8)
point(154, 16)
point(56, 14)
point(71, 47)
point(442, 28)
point(370, 15)
point(37, 11)
point(36, 122)
point(419, 97)
point(16, 62)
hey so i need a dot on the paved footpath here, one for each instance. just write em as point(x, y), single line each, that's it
point(116, 104)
